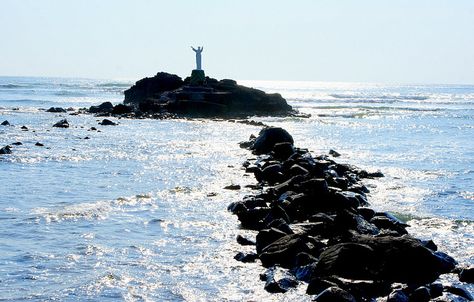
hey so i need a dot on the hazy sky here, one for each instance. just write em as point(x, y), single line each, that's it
point(408, 41)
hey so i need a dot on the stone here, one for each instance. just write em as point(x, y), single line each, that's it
point(56, 110)
point(232, 187)
point(334, 294)
point(317, 285)
point(122, 109)
point(283, 150)
point(6, 150)
point(152, 87)
point(62, 124)
point(334, 153)
point(105, 107)
point(24, 128)
point(267, 236)
point(38, 144)
point(268, 138)
point(17, 143)
point(249, 257)
point(106, 122)
point(283, 251)
point(347, 260)
point(244, 241)
point(467, 275)
point(5, 123)
point(421, 294)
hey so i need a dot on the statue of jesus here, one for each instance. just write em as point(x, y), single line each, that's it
point(198, 56)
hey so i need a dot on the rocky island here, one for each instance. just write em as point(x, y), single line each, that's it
point(167, 95)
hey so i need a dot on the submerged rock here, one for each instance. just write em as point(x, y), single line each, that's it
point(268, 138)
point(5, 123)
point(105, 107)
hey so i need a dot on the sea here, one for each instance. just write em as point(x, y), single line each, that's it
point(138, 211)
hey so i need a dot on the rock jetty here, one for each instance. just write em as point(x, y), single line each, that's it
point(167, 95)
point(315, 229)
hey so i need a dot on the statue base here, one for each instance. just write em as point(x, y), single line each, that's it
point(198, 78)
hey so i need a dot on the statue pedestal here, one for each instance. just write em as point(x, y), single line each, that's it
point(198, 78)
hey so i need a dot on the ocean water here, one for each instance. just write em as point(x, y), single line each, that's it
point(137, 212)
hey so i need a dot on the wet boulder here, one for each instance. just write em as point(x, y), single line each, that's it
point(62, 124)
point(347, 260)
point(6, 150)
point(268, 138)
point(5, 123)
point(121, 109)
point(105, 107)
point(283, 251)
point(467, 275)
point(56, 110)
point(267, 236)
point(106, 122)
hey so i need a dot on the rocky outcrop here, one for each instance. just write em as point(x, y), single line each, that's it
point(62, 124)
point(167, 93)
point(312, 219)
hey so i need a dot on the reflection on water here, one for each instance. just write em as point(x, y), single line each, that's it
point(137, 212)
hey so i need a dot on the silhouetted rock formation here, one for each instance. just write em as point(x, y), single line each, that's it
point(167, 93)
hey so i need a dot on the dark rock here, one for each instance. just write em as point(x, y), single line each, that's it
point(153, 87)
point(367, 213)
point(5, 123)
point(397, 296)
point(93, 129)
point(334, 294)
point(121, 109)
point(268, 138)
point(305, 272)
point(105, 107)
point(383, 222)
point(447, 263)
point(244, 241)
point(6, 150)
point(277, 280)
point(24, 128)
point(249, 257)
point(429, 244)
point(421, 294)
point(38, 144)
point(436, 290)
point(317, 285)
point(17, 143)
point(458, 291)
point(62, 124)
point(467, 275)
point(283, 251)
point(56, 110)
point(106, 122)
point(404, 259)
point(266, 237)
point(272, 174)
point(334, 153)
point(347, 260)
point(283, 150)
point(232, 187)
point(303, 259)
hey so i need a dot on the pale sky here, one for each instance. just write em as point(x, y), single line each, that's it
point(402, 41)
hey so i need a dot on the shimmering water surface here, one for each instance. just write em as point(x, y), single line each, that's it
point(137, 212)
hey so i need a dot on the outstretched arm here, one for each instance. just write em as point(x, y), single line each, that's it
point(193, 48)
point(202, 47)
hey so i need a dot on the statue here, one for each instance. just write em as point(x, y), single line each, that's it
point(198, 56)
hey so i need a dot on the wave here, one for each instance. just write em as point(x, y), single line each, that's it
point(12, 86)
point(114, 84)
point(69, 93)
point(379, 97)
